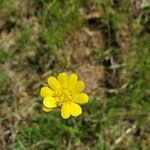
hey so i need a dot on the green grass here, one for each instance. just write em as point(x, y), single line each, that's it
point(4, 55)
point(55, 130)
point(4, 82)
point(36, 50)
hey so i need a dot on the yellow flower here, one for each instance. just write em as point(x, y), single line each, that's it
point(66, 92)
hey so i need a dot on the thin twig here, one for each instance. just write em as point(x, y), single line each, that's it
point(125, 134)
point(17, 112)
point(36, 145)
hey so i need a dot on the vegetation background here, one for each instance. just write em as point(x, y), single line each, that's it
point(106, 42)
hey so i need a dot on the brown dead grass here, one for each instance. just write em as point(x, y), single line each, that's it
point(78, 52)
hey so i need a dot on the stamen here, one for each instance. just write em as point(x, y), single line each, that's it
point(62, 97)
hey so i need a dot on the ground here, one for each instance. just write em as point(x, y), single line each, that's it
point(106, 43)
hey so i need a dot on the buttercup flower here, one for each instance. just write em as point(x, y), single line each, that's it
point(65, 92)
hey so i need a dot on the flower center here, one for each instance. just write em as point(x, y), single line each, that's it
point(62, 96)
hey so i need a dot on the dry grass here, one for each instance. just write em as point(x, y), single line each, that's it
point(41, 38)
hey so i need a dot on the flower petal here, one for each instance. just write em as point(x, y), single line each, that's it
point(79, 87)
point(65, 110)
point(63, 80)
point(75, 109)
point(53, 83)
point(46, 109)
point(49, 102)
point(81, 98)
point(72, 81)
point(46, 92)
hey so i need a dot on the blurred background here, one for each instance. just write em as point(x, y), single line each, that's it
point(106, 42)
